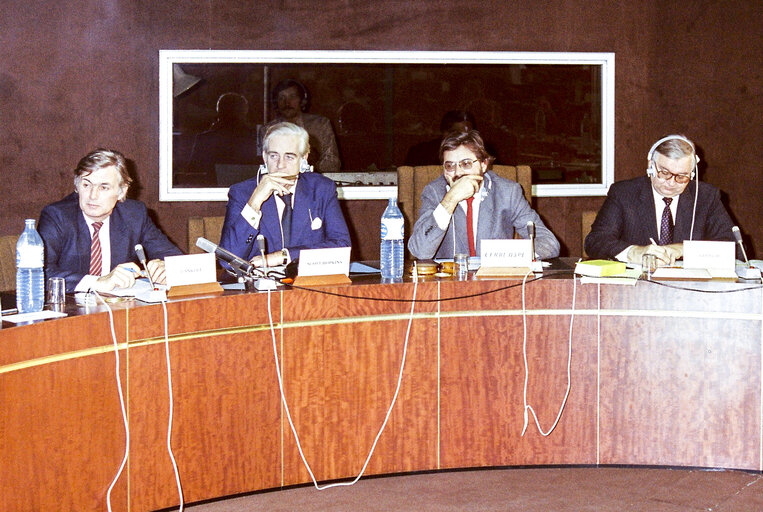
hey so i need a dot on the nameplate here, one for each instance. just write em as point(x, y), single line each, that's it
point(709, 255)
point(324, 262)
point(190, 269)
point(506, 253)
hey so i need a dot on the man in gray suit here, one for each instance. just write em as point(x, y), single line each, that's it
point(468, 204)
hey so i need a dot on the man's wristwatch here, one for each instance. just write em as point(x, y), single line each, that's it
point(285, 255)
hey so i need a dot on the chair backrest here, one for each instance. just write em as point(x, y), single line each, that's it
point(8, 262)
point(208, 227)
point(586, 220)
point(412, 180)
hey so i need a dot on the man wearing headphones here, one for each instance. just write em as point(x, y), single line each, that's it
point(655, 213)
point(291, 99)
point(292, 208)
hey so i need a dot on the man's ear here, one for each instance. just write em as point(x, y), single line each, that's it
point(122, 193)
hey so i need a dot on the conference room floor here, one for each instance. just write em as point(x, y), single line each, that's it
point(524, 489)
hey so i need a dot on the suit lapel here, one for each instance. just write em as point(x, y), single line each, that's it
point(120, 238)
point(648, 211)
point(83, 242)
point(682, 225)
point(271, 229)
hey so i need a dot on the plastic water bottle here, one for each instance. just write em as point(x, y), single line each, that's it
point(392, 242)
point(30, 276)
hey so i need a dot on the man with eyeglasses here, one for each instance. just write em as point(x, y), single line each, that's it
point(655, 213)
point(468, 204)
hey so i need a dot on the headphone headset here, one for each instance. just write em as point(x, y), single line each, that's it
point(652, 172)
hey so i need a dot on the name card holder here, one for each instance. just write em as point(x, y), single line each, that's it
point(505, 258)
point(322, 267)
point(190, 275)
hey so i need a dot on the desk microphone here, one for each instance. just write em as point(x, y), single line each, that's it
point(531, 234)
point(142, 257)
point(234, 261)
point(748, 272)
point(261, 246)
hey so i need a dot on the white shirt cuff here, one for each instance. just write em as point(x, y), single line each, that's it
point(623, 256)
point(441, 217)
point(86, 283)
point(252, 216)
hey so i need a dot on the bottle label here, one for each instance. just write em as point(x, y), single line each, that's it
point(392, 229)
point(29, 257)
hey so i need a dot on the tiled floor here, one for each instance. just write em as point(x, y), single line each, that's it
point(530, 489)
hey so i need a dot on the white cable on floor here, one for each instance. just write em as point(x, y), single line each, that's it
point(386, 418)
point(528, 407)
point(121, 402)
point(172, 408)
point(124, 411)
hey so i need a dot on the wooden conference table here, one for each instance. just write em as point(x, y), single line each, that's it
point(659, 376)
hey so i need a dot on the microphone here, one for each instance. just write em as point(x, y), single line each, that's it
point(261, 246)
point(531, 235)
point(234, 261)
point(142, 257)
point(749, 272)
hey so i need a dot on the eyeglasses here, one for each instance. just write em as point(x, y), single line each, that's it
point(464, 164)
point(680, 178)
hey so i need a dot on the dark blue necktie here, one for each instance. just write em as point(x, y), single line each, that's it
point(666, 225)
point(286, 219)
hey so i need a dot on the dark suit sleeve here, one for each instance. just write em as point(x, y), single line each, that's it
point(236, 230)
point(426, 236)
point(606, 239)
point(56, 264)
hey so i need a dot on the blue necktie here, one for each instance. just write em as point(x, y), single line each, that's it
point(286, 219)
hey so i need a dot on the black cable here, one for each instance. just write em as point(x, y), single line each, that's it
point(423, 301)
point(514, 285)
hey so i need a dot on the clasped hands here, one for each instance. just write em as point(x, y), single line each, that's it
point(272, 183)
point(125, 274)
point(461, 188)
point(666, 255)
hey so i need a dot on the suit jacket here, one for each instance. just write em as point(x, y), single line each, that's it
point(66, 237)
point(317, 220)
point(627, 217)
point(503, 209)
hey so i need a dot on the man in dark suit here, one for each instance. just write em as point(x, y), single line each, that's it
point(292, 208)
point(654, 214)
point(90, 235)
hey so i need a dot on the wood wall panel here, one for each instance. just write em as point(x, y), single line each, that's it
point(52, 458)
point(660, 386)
point(674, 392)
point(340, 380)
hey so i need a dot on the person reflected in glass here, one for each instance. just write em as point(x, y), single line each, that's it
point(291, 100)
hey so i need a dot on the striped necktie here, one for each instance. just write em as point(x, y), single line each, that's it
point(96, 258)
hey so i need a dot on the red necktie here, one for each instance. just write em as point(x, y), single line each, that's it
point(470, 226)
point(96, 259)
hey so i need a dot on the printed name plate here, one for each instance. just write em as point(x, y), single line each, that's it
point(707, 254)
point(190, 269)
point(506, 253)
point(324, 262)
